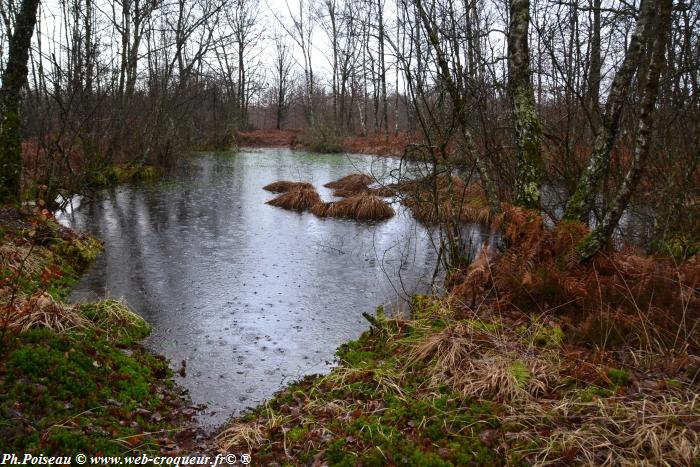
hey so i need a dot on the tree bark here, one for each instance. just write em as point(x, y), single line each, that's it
point(581, 202)
point(601, 234)
point(527, 123)
point(13, 79)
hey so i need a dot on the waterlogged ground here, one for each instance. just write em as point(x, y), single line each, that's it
point(250, 296)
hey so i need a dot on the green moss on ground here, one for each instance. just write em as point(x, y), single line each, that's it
point(89, 389)
point(370, 411)
point(440, 389)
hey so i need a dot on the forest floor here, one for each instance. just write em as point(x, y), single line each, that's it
point(374, 144)
point(74, 378)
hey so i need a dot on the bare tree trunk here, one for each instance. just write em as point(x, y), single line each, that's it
point(593, 91)
point(459, 109)
point(382, 66)
point(14, 78)
point(581, 202)
point(527, 123)
point(601, 234)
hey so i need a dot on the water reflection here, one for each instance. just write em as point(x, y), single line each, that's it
point(249, 295)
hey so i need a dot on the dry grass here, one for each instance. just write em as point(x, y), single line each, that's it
point(350, 184)
point(383, 191)
point(445, 200)
point(114, 317)
point(30, 260)
point(359, 207)
point(301, 198)
point(612, 432)
point(241, 434)
point(481, 363)
point(283, 186)
point(39, 310)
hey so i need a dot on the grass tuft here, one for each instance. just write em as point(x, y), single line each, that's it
point(359, 207)
point(283, 186)
point(300, 198)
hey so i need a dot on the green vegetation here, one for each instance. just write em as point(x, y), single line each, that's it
point(74, 378)
point(322, 139)
point(440, 389)
point(124, 173)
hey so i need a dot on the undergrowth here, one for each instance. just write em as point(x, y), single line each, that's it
point(73, 377)
point(441, 389)
point(531, 358)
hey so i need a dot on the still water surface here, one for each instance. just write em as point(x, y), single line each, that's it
point(249, 295)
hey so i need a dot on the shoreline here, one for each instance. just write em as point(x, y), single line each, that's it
point(76, 378)
point(389, 145)
point(501, 382)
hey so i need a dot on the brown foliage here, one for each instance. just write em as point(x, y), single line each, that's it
point(40, 310)
point(283, 186)
point(360, 207)
point(617, 298)
point(379, 143)
point(442, 200)
point(300, 198)
point(267, 138)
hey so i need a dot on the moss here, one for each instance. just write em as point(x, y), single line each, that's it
point(49, 378)
point(80, 251)
point(549, 336)
point(590, 393)
point(80, 391)
point(619, 377)
point(297, 434)
point(408, 424)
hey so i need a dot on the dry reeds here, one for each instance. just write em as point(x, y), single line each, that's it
point(445, 200)
point(615, 432)
point(363, 206)
point(473, 361)
point(29, 259)
point(350, 185)
point(283, 186)
point(39, 310)
point(299, 198)
point(382, 191)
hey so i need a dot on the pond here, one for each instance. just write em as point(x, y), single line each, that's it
point(250, 296)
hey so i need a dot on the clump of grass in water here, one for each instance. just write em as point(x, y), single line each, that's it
point(350, 184)
point(283, 186)
point(360, 207)
point(297, 199)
